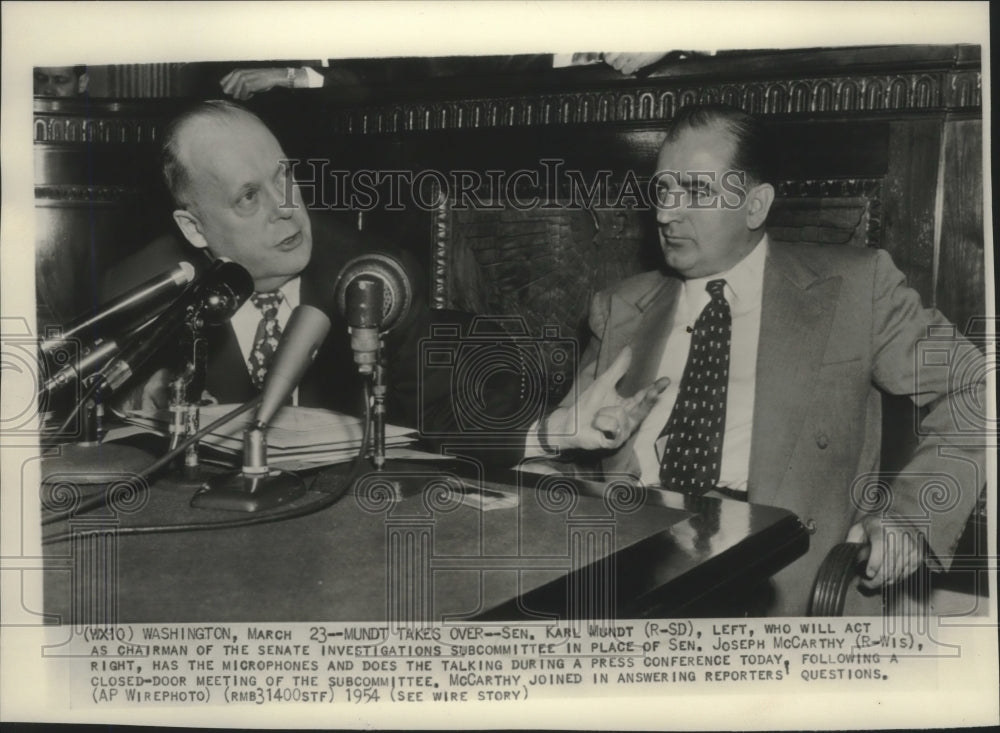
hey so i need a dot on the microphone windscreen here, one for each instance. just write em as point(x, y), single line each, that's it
point(303, 335)
point(222, 291)
point(397, 285)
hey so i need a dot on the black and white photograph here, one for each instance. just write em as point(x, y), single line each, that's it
point(358, 354)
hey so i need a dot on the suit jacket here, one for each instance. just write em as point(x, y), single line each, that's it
point(332, 381)
point(837, 326)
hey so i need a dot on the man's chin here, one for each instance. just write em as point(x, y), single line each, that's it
point(677, 259)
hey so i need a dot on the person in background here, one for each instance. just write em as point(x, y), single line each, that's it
point(242, 84)
point(60, 81)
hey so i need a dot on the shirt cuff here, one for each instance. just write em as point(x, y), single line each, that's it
point(532, 447)
point(314, 79)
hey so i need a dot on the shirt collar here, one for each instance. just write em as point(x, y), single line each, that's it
point(744, 280)
point(291, 290)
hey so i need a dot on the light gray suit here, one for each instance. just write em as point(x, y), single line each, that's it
point(837, 325)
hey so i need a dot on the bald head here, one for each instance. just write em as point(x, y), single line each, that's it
point(234, 192)
point(188, 127)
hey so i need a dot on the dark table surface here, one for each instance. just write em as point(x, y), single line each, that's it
point(421, 550)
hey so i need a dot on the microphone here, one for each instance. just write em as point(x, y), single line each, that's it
point(101, 352)
point(141, 300)
point(213, 297)
point(304, 333)
point(257, 486)
point(373, 292)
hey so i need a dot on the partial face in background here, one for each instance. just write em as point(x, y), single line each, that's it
point(59, 81)
point(240, 201)
point(708, 216)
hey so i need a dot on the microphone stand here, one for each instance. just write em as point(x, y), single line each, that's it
point(254, 488)
point(379, 391)
point(257, 486)
point(185, 397)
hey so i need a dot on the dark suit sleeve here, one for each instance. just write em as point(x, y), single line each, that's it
point(917, 352)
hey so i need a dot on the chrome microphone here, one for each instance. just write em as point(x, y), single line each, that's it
point(257, 486)
point(301, 338)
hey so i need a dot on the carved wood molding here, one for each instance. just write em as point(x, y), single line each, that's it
point(903, 92)
point(78, 129)
point(69, 194)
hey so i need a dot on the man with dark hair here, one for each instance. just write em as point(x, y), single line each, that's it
point(753, 370)
point(60, 81)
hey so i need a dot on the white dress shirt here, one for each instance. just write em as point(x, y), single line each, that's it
point(743, 292)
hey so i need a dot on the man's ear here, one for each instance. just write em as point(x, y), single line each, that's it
point(759, 200)
point(190, 227)
point(82, 82)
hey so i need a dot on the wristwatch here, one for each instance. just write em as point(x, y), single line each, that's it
point(290, 72)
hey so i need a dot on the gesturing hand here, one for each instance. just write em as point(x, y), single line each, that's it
point(601, 418)
point(894, 551)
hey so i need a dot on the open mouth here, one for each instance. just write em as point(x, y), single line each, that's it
point(289, 243)
point(675, 241)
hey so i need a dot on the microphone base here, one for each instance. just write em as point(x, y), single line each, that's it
point(239, 492)
point(94, 463)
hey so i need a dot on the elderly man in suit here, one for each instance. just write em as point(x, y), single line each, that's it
point(235, 198)
point(753, 370)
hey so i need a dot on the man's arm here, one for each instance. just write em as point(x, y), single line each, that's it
point(917, 352)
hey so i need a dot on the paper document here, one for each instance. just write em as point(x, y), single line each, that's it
point(308, 434)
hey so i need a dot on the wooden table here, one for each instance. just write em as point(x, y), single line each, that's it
point(422, 551)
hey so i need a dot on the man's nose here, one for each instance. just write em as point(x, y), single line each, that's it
point(668, 211)
point(282, 202)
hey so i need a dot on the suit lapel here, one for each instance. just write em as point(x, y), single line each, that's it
point(645, 324)
point(796, 315)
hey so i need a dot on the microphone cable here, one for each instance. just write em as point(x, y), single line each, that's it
point(329, 500)
point(99, 501)
point(90, 392)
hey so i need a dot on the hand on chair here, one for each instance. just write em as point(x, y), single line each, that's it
point(894, 551)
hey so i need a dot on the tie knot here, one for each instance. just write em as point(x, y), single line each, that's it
point(716, 289)
point(267, 303)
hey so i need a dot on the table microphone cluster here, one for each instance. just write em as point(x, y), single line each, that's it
point(373, 292)
point(119, 340)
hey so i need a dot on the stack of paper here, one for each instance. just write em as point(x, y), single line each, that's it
point(296, 434)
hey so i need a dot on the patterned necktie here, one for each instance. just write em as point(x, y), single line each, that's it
point(692, 453)
point(265, 341)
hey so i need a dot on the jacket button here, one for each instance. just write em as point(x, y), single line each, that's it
point(811, 526)
point(822, 441)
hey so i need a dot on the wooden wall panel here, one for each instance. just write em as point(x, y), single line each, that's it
point(960, 290)
point(908, 211)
